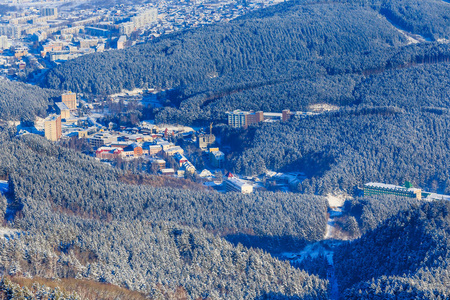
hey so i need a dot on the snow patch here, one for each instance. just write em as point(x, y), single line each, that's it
point(179, 128)
point(323, 107)
point(337, 200)
point(6, 232)
point(443, 41)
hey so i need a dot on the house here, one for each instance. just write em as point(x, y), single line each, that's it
point(171, 151)
point(133, 150)
point(180, 158)
point(161, 163)
point(189, 167)
point(169, 171)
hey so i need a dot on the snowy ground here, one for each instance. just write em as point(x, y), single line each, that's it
point(3, 186)
point(7, 233)
point(336, 200)
point(330, 232)
point(175, 127)
point(327, 245)
point(322, 107)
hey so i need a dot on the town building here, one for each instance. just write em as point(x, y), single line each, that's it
point(154, 149)
point(121, 42)
point(126, 28)
point(216, 157)
point(49, 11)
point(70, 99)
point(145, 17)
point(180, 158)
point(204, 140)
point(108, 153)
point(171, 151)
point(4, 43)
point(239, 118)
point(233, 184)
point(375, 188)
point(11, 31)
point(168, 171)
point(133, 150)
point(62, 109)
point(101, 139)
point(97, 31)
point(161, 163)
point(52, 128)
point(189, 167)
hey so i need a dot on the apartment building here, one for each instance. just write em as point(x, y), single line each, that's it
point(69, 99)
point(52, 128)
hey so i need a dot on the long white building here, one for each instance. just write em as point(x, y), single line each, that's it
point(236, 185)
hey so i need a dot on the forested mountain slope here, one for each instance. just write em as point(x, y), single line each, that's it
point(407, 257)
point(73, 183)
point(75, 219)
point(300, 33)
point(371, 211)
point(157, 258)
point(343, 150)
point(23, 101)
point(291, 55)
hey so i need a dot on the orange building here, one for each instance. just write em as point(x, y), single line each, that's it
point(69, 99)
point(52, 128)
point(133, 150)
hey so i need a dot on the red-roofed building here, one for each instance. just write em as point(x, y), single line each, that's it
point(108, 153)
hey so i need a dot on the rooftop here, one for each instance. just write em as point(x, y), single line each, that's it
point(237, 182)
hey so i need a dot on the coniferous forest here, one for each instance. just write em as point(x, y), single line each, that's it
point(77, 228)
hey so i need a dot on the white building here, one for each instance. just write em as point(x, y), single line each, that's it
point(11, 31)
point(145, 18)
point(233, 184)
point(49, 11)
point(4, 44)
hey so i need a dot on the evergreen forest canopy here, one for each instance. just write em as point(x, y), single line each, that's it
point(291, 55)
point(76, 220)
point(75, 215)
point(22, 101)
point(343, 150)
point(385, 64)
point(406, 257)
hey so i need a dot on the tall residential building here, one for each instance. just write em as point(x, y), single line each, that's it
point(286, 115)
point(52, 128)
point(4, 44)
point(121, 42)
point(11, 31)
point(49, 11)
point(62, 109)
point(240, 118)
point(145, 18)
point(69, 99)
point(126, 28)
